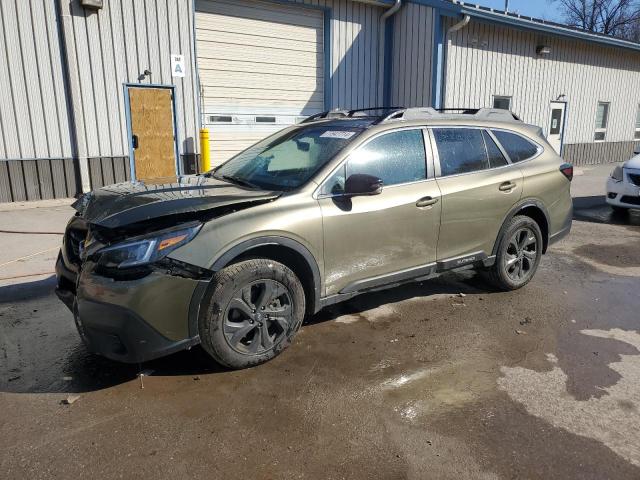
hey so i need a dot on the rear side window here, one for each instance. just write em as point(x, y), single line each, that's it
point(395, 158)
point(496, 158)
point(518, 148)
point(461, 150)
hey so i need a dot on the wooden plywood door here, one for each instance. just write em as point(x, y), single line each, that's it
point(152, 130)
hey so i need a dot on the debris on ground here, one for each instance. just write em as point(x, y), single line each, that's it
point(70, 400)
point(521, 332)
point(526, 321)
point(462, 295)
point(67, 379)
point(196, 378)
point(393, 341)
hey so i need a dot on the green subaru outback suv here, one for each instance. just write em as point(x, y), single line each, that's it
point(344, 203)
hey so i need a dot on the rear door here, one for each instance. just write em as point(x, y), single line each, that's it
point(478, 185)
point(378, 239)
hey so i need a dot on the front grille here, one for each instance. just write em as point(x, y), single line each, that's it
point(73, 236)
point(630, 200)
point(635, 179)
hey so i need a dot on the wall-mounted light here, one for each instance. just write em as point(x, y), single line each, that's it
point(543, 50)
point(143, 75)
point(97, 4)
point(561, 96)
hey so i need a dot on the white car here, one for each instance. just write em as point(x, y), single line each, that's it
point(623, 185)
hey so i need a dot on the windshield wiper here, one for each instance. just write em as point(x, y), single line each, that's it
point(238, 181)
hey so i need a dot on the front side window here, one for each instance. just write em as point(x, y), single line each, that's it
point(602, 120)
point(288, 159)
point(461, 150)
point(395, 158)
point(502, 102)
point(637, 132)
point(517, 147)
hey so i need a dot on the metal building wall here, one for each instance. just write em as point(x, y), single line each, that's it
point(485, 60)
point(35, 149)
point(355, 32)
point(113, 46)
point(412, 56)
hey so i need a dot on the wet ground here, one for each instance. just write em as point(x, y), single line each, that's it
point(415, 382)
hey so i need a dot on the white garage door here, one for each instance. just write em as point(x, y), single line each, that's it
point(261, 69)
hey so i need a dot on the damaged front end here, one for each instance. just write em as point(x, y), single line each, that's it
point(131, 302)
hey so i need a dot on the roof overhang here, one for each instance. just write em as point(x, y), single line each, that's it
point(522, 22)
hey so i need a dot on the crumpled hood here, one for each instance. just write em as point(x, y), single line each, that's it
point(131, 202)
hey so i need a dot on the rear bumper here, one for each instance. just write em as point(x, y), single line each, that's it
point(122, 320)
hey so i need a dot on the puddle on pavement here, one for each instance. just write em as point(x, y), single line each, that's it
point(439, 388)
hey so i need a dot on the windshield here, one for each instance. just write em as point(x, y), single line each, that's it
point(288, 159)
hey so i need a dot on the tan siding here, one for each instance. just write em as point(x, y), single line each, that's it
point(485, 60)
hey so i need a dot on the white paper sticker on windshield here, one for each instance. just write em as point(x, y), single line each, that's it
point(338, 134)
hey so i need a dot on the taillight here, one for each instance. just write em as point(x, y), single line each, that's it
point(567, 170)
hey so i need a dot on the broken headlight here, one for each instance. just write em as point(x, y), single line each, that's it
point(145, 250)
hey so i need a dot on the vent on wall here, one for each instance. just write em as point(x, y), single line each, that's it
point(266, 119)
point(221, 119)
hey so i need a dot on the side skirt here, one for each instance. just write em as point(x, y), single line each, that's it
point(417, 274)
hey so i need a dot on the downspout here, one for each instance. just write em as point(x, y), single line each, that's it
point(81, 169)
point(385, 44)
point(452, 29)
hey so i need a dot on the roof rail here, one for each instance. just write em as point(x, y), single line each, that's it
point(416, 113)
point(421, 113)
point(358, 112)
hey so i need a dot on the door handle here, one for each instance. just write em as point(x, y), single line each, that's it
point(507, 186)
point(134, 141)
point(426, 202)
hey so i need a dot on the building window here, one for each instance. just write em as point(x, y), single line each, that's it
point(637, 134)
point(503, 103)
point(602, 119)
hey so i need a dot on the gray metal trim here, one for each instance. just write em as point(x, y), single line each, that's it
point(390, 278)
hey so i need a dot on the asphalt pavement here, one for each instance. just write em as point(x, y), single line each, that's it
point(442, 379)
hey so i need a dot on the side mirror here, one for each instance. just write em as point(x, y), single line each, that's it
point(362, 184)
point(636, 151)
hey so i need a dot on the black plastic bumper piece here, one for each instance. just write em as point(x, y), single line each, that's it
point(113, 331)
point(119, 334)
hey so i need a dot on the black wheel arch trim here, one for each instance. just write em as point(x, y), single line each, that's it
point(521, 205)
point(275, 240)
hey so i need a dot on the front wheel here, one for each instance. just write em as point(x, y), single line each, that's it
point(255, 309)
point(518, 255)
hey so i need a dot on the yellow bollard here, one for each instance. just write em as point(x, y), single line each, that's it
point(205, 154)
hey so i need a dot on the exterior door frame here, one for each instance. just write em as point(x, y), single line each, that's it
point(564, 121)
point(127, 112)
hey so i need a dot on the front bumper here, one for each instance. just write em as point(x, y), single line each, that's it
point(623, 194)
point(134, 320)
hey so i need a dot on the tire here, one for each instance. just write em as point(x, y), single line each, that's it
point(514, 267)
point(255, 309)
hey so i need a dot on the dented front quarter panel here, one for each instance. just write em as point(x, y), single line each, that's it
point(294, 216)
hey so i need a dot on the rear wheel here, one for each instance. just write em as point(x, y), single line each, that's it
point(518, 255)
point(255, 309)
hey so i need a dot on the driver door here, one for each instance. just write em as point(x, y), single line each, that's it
point(379, 239)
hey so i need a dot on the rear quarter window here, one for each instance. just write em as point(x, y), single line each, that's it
point(517, 147)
